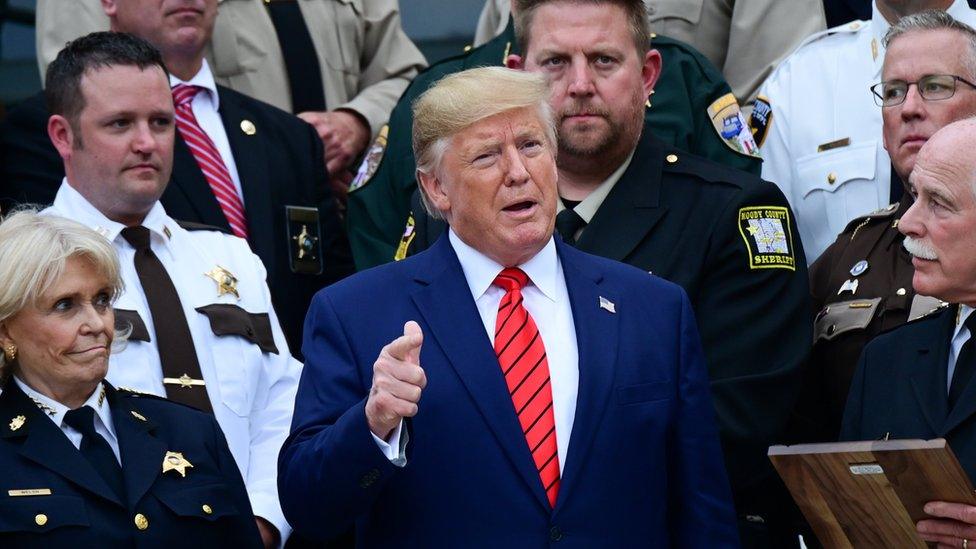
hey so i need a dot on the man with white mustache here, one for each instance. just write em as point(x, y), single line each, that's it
point(916, 382)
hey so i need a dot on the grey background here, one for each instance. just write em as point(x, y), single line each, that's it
point(439, 27)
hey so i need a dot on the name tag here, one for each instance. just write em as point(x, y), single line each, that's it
point(834, 145)
point(29, 492)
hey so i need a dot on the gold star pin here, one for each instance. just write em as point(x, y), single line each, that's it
point(17, 422)
point(248, 127)
point(174, 461)
point(226, 282)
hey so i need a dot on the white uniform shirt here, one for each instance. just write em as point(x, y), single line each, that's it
point(205, 106)
point(820, 96)
point(252, 392)
point(55, 411)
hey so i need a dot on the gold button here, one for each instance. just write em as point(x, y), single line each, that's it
point(831, 178)
point(248, 127)
point(671, 158)
point(901, 291)
point(40, 519)
point(141, 521)
point(207, 509)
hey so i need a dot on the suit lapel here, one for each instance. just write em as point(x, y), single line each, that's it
point(596, 338)
point(188, 180)
point(251, 159)
point(142, 453)
point(929, 379)
point(966, 405)
point(45, 444)
point(631, 209)
point(445, 303)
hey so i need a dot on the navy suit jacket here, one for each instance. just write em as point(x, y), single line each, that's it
point(644, 466)
point(82, 511)
point(900, 389)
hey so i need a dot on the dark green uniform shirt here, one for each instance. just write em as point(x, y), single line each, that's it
point(379, 200)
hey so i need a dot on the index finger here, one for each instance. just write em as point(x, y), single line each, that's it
point(400, 347)
point(957, 511)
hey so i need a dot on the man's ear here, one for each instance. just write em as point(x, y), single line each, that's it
point(650, 70)
point(61, 135)
point(110, 7)
point(516, 62)
point(434, 190)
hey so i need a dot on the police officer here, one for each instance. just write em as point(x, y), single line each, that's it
point(688, 109)
point(862, 284)
point(341, 64)
point(745, 40)
point(724, 235)
point(203, 328)
point(818, 125)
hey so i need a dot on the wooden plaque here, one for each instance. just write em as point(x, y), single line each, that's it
point(870, 494)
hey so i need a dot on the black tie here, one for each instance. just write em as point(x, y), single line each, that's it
point(96, 450)
point(298, 50)
point(177, 354)
point(965, 363)
point(568, 222)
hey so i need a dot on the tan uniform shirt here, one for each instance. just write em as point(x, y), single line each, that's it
point(745, 39)
point(366, 59)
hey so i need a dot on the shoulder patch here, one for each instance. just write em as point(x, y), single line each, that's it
point(192, 226)
point(760, 120)
point(406, 239)
point(372, 160)
point(768, 238)
point(731, 126)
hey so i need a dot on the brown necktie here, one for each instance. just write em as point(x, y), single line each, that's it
point(181, 369)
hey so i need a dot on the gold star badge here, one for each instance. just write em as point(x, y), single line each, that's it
point(226, 281)
point(17, 422)
point(174, 461)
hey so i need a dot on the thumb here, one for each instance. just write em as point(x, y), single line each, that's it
point(412, 330)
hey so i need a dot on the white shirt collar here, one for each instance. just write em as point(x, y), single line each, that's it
point(71, 204)
point(588, 207)
point(480, 270)
point(964, 312)
point(56, 411)
point(204, 78)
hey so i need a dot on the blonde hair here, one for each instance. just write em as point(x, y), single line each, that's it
point(34, 250)
point(463, 99)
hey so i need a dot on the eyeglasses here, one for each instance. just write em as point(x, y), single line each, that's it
point(933, 87)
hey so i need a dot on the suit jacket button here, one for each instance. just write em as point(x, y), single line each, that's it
point(141, 521)
point(40, 519)
point(555, 534)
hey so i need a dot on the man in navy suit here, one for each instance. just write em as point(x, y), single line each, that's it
point(916, 381)
point(503, 388)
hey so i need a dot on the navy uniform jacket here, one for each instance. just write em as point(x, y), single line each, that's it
point(82, 511)
point(643, 466)
point(900, 389)
point(682, 221)
point(280, 165)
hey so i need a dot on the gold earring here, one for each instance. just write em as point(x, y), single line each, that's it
point(10, 352)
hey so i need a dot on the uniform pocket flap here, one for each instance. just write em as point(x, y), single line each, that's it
point(208, 502)
point(830, 170)
point(644, 392)
point(124, 319)
point(42, 513)
point(844, 316)
point(689, 10)
point(227, 319)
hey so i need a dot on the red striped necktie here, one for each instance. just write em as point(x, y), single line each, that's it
point(208, 158)
point(522, 357)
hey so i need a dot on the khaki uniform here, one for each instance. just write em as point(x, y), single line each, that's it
point(745, 39)
point(366, 59)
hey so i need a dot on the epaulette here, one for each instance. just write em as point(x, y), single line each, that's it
point(846, 28)
point(192, 226)
point(133, 393)
point(882, 213)
point(676, 160)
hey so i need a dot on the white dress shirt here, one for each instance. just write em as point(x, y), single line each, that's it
point(547, 300)
point(55, 411)
point(252, 392)
point(959, 338)
point(206, 105)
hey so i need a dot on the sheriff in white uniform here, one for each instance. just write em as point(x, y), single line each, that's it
point(821, 141)
point(250, 376)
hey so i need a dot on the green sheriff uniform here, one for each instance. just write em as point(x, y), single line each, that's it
point(693, 109)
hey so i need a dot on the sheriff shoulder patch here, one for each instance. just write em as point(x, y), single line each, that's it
point(769, 240)
point(406, 239)
point(731, 126)
point(760, 120)
point(372, 160)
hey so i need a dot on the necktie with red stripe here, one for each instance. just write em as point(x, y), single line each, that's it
point(208, 158)
point(522, 357)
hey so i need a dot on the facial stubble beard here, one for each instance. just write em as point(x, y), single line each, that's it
point(610, 149)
